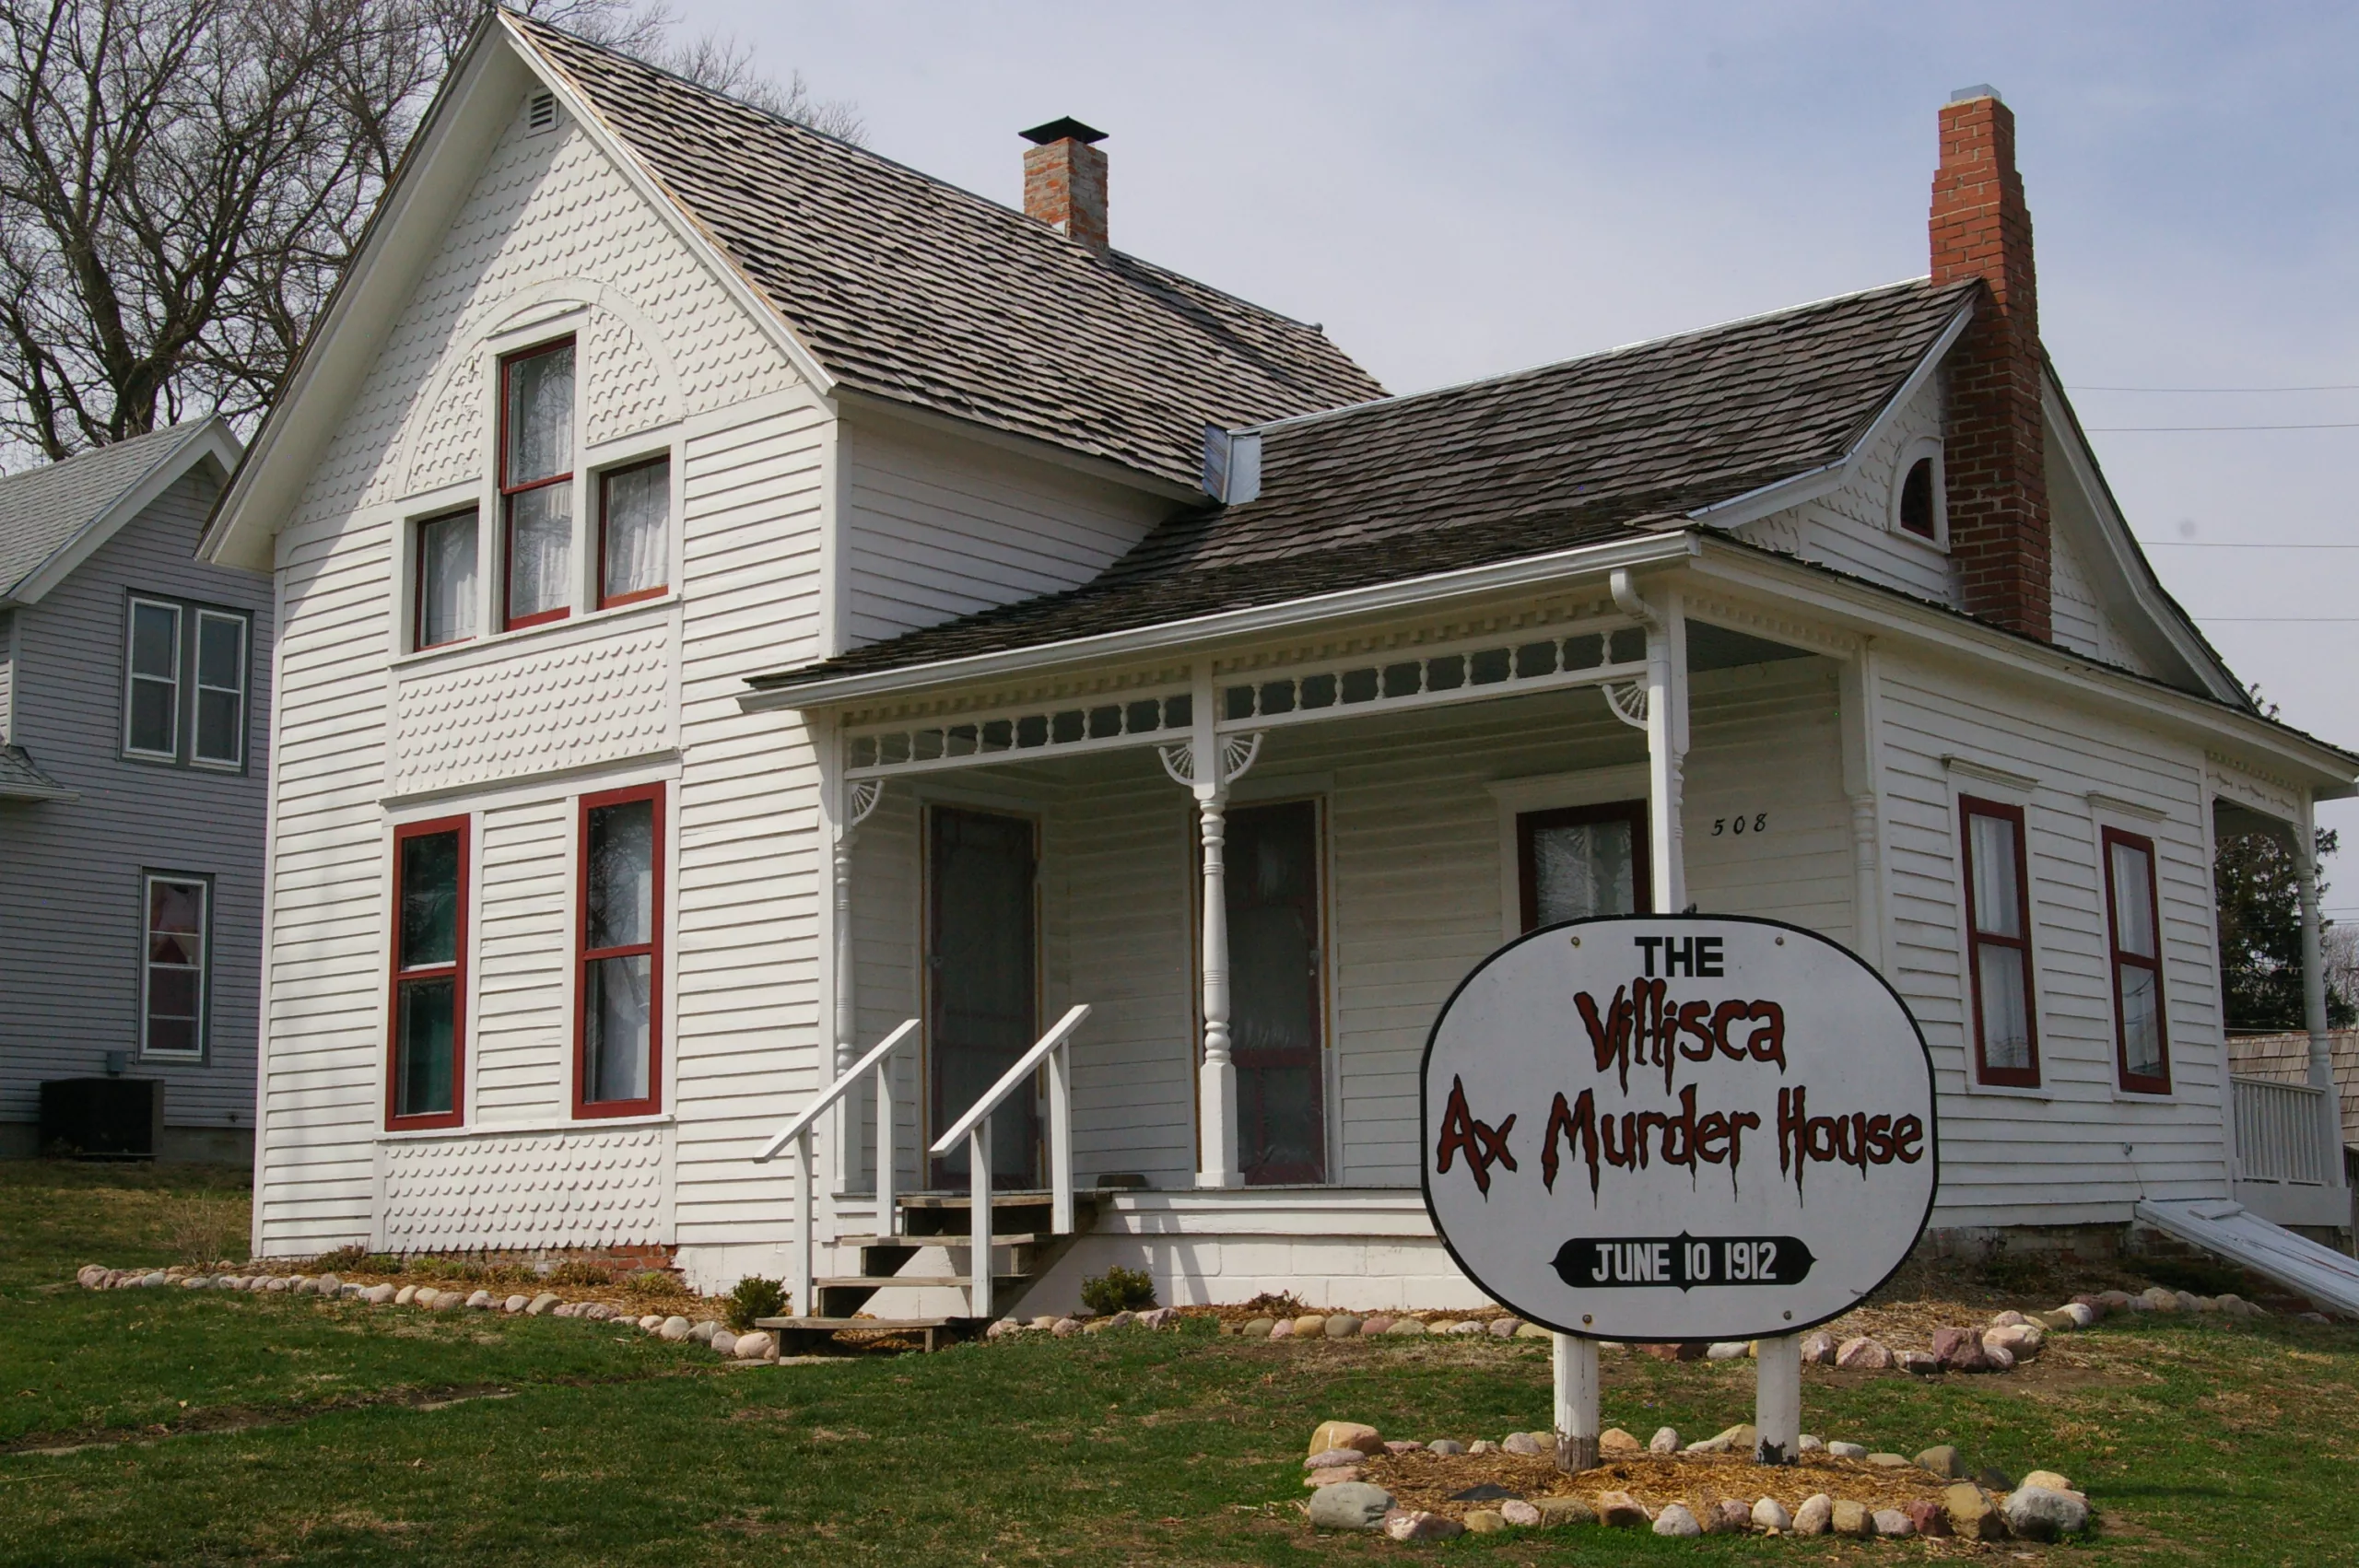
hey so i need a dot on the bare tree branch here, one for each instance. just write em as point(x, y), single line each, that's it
point(182, 182)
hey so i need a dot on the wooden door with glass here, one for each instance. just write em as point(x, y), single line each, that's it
point(982, 984)
point(1272, 863)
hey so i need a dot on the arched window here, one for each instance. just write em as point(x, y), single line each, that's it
point(1917, 499)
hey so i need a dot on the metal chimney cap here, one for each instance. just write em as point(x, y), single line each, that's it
point(1980, 89)
point(1067, 128)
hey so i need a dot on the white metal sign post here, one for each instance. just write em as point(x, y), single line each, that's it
point(1667, 1127)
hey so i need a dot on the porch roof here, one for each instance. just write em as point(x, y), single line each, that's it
point(1618, 445)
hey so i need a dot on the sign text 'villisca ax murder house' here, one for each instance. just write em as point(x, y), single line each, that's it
point(1665, 1128)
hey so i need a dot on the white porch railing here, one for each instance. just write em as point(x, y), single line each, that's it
point(878, 1060)
point(2280, 1132)
point(975, 1126)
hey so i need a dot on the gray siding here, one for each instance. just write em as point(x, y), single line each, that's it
point(70, 870)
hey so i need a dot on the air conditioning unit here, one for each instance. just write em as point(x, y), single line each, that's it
point(102, 1119)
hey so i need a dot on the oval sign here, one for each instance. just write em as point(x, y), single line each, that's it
point(1678, 1127)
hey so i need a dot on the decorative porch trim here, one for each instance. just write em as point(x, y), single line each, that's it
point(1627, 701)
point(1237, 753)
point(1474, 669)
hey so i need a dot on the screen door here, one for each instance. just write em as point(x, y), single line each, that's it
point(982, 983)
point(1276, 1025)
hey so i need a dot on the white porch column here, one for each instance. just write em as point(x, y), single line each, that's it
point(2314, 1016)
point(1208, 763)
point(1855, 703)
point(849, 804)
point(1667, 754)
point(1218, 1162)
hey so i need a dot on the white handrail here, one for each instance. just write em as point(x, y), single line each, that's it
point(975, 1126)
point(1023, 1067)
point(837, 1089)
point(806, 1190)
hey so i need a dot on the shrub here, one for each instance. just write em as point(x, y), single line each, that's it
point(581, 1271)
point(754, 1297)
point(1277, 1304)
point(380, 1263)
point(342, 1260)
point(1119, 1290)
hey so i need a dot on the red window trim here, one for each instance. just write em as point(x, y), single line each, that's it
point(585, 1108)
point(456, 969)
point(1969, 807)
point(2136, 1083)
point(417, 578)
point(605, 601)
point(1530, 823)
point(507, 493)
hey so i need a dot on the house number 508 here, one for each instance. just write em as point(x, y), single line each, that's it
point(1741, 825)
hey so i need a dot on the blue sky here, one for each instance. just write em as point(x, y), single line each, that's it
point(1459, 190)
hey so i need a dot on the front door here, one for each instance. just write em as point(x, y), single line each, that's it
point(1274, 940)
point(1583, 861)
point(981, 984)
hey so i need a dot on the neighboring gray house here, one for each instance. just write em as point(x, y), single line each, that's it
point(133, 695)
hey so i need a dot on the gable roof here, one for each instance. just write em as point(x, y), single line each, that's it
point(53, 517)
point(913, 290)
point(1615, 445)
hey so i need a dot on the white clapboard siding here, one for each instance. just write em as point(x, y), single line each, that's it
point(2056, 1156)
point(549, 223)
point(937, 527)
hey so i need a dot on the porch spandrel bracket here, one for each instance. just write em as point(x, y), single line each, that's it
point(1627, 701)
point(1237, 753)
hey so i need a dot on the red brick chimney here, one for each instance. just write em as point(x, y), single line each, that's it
point(1995, 455)
point(1065, 180)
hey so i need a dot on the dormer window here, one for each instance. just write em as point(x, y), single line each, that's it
point(1917, 505)
point(536, 484)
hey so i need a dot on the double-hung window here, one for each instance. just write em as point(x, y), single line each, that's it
point(446, 579)
point(633, 532)
point(174, 965)
point(151, 708)
point(2134, 919)
point(185, 674)
point(620, 971)
point(536, 484)
point(428, 1065)
point(1998, 926)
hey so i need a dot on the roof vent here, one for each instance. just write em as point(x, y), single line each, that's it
point(1232, 465)
point(540, 113)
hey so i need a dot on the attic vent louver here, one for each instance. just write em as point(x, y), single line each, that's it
point(541, 113)
point(1232, 465)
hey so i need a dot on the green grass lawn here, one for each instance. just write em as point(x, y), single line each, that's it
point(214, 1428)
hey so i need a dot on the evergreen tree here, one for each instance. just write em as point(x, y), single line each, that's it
point(2258, 888)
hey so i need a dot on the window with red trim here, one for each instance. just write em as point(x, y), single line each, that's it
point(1997, 937)
point(619, 1048)
point(426, 1062)
point(2134, 918)
point(633, 532)
point(537, 484)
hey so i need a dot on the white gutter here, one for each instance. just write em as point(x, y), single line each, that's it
point(1412, 592)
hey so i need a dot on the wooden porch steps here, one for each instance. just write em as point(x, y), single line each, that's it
point(1022, 1242)
point(804, 1336)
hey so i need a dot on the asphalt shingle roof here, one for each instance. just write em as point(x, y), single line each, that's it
point(908, 289)
point(43, 508)
point(1568, 454)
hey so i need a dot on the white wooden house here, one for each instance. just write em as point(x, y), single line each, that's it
point(740, 594)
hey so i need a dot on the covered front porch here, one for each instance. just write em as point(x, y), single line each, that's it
point(1263, 941)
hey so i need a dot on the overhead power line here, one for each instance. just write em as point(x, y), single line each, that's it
point(2349, 386)
point(2128, 429)
point(2233, 545)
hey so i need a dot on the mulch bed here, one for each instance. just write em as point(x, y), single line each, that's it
point(1427, 1481)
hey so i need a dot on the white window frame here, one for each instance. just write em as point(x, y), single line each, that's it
point(1917, 450)
point(203, 884)
point(197, 689)
point(172, 752)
